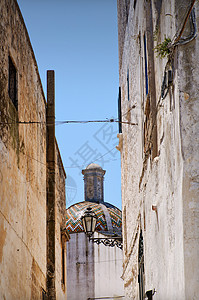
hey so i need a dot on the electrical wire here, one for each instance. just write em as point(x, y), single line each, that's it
point(179, 41)
point(190, 12)
point(132, 107)
point(68, 122)
point(46, 165)
point(176, 42)
point(84, 165)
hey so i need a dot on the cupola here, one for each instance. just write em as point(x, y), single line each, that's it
point(94, 183)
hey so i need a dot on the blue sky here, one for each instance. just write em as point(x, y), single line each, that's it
point(78, 39)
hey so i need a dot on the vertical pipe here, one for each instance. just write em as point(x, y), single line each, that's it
point(50, 186)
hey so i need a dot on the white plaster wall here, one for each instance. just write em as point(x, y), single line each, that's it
point(170, 181)
point(108, 270)
point(80, 267)
point(92, 270)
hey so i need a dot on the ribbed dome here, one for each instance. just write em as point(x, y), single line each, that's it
point(109, 217)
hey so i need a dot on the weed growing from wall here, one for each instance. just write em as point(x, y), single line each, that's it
point(162, 49)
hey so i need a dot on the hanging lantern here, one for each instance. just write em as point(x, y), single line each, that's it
point(89, 220)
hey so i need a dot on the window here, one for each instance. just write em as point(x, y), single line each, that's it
point(147, 106)
point(150, 126)
point(127, 5)
point(125, 230)
point(147, 126)
point(141, 268)
point(146, 67)
point(64, 239)
point(63, 266)
point(119, 111)
point(128, 85)
point(12, 83)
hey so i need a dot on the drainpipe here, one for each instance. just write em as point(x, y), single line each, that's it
point(50, 185)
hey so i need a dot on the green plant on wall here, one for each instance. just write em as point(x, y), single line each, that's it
point(162, 49)
point(155, 34)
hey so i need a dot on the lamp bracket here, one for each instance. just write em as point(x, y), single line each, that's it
point(111, 242)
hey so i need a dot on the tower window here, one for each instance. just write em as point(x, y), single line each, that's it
point(12, 83)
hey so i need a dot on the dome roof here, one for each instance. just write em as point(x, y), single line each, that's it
point(93, 166)
point(109, 217)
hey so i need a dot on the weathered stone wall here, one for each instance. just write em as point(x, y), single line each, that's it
point(23, 168)
point(60, 209)
point(22, 165)
point(160, 192)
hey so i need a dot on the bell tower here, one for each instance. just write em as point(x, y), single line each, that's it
point(94, 183)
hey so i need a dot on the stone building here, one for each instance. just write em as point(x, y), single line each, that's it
point(159, 145)
point(94, 270)
point(32, 177)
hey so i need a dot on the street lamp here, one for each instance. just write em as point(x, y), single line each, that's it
point(89, 220)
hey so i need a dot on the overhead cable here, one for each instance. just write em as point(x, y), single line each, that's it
point(68, 122)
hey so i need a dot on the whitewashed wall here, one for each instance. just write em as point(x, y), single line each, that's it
point(108, 270)
point(170, 181)
point(92, 270)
